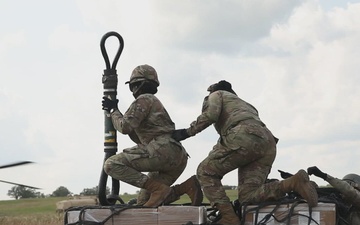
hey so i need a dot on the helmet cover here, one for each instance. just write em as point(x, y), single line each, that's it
point(353, 180)
point(144, 73)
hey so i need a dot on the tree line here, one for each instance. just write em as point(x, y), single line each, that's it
point(21, 192)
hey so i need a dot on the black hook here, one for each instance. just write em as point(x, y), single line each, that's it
point(109, 81)
point(104, 53)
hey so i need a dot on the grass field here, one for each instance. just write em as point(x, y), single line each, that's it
point(42, 211)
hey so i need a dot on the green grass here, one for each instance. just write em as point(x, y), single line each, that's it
point(232, 194)
point(36, 211)
point(26, 207)
point(42, 211)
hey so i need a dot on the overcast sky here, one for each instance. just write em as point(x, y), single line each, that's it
point(296, 61)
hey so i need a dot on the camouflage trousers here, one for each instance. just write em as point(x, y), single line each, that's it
point(253, 158)
point(164, 159)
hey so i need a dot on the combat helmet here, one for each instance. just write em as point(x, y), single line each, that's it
point(144, 73)
point(353, 180)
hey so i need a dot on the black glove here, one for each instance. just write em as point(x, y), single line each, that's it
point(285, 175)
point(179, 135)
point(314, 170)
point(108, 104)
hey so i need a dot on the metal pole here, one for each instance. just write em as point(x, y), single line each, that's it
point(109, 81)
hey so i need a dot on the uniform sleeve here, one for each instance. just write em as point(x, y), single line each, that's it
point(211, 110)
point(351, 195)
point(133, 117)
point(133, 136)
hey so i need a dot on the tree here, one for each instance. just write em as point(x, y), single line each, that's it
point(39, 195)
point(93, 191)
point(19, 192)
point(61, 192)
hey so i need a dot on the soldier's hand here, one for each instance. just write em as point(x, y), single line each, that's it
point(317, 172)
point(108, 104)
point(180, 135)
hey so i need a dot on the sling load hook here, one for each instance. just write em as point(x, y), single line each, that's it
point(109, 81)
point(104, 53)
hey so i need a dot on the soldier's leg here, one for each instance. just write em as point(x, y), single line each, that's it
point(191, 187)
point(210, 172)
point(165, 177)
point(221, 161)
point(121, 168)
point(256, 158)
point(259, 152)
point(159, 156)
point(168, 167)
point(259, 191)
point(252, 187)
point(143, 196)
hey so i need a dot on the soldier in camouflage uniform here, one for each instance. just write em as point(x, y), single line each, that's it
point(245, 144)
point(349, 187)
point(148, 124)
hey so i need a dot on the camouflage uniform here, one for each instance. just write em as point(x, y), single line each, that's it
point(350, 195)
point(149, 125)
point(244, 144)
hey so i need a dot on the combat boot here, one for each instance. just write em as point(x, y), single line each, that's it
point(159, 192)
point(191, 187)
point(143, 197)
point(228, 215)
point(301, 184)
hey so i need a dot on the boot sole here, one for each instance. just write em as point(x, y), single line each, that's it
point(310, 190)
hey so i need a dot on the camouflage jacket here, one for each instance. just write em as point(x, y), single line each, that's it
point(145, 119)
point(350, 195)
point(225, 110)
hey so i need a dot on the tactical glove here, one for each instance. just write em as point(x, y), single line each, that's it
point(314, 170)
point(180, 135)
point(108, 104)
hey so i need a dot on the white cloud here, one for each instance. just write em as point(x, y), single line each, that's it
point(295, 61)
point(11, 40)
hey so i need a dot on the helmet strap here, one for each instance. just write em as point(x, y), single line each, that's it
point(137, 91)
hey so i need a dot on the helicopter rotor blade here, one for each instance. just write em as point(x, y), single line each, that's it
point(23, 185)
point(15, 164)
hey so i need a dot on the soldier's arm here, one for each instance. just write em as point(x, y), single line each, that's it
point(127, 123)
point(351, 195)
point(211, 110)
point(133, 136)
point(116, 118)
